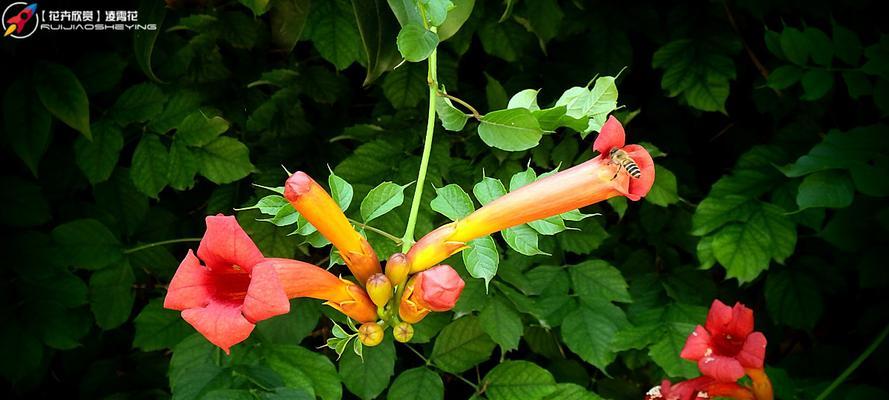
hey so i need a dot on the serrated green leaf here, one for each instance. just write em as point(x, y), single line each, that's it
point(333, 30)
point(664, 192)
point(98, 157)
point(417, 384)
point(380, 200)
point(294, 363)
point(510, 130)
point(158, 328)
point(149, 167)
point(518, 380)
point(224, 160)
point(199, 130)
point(522, 239)
point(87, 243)
point(596, 280)
point(488, 190)
point(405, 86)
point(589, 330)
point(482, 259)
point(369, 377)
point(341, 191)
point(111, 295)
point(139, 103)
point(452, 202)
point(502, 323)
point(461, 345)
point(831, 189)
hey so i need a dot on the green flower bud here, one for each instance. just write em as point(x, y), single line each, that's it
point(397, 269)
point(370, 334)
point(403, 332)
point(379, 289)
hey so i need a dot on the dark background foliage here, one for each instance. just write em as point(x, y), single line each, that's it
point(732, 94)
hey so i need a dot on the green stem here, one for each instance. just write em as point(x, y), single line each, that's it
point(855, 364)
point(469, 107)
point(161, 243)
point(408, 239)
point(381, 232)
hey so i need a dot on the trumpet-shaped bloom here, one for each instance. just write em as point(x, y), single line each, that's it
point(233, 289)
point(436, 289)
point(316, 205)
point(300, 279)
point(727, 344)
point(590, 182)
point(699, 388)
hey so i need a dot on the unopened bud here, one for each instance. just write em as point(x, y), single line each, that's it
point(370, 334)
point(403, 332)
point(379, 289)
point(397, 269)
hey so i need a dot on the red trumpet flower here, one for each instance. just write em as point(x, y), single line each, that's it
point(727, 344)
point(224, 298)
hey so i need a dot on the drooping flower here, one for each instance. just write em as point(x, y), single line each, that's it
point(726, 344)
point(224, 297)
point(435, 289)
point(590, 182)
point(300, 279)
point(316, 205)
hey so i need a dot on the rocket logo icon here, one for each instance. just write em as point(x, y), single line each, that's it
point(20, 20)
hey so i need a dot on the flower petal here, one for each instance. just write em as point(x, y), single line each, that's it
point(638, 188)
point(610, 136)
point(742, 321)
point(189, 287)
point(697, 345)
point(265, 295)
point(718, 317)
point(222, 324)
point(753, 353)
point(225, 244)
point(721, 368)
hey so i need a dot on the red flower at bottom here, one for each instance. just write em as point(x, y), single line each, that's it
point(727, 344)
point(224, 298)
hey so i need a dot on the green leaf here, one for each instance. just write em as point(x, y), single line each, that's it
point(603, 100)
point(87, 243)
point(381, 199)
point(272, 241)
point(341, 191)
point(846, 44)
point(518, 380)
point(488, 190)
point(149, 166)
point(571, 391)
point(545, 18)
point(510, 130)
point(784, 77)
point(857, 83)
point(258, 7)
point(405, 86)
point(596, 280)
point(665, 352)
point(139, 103)
point(26, 124)
point(589, 330)
point(700, 71)
point(198, 130)
point(504, 40)
point(452, 202)
point(502, 323)
point(291, 327)
point(461, 345)
point(377, 26)
point(524, 99)
point(224, 160)
point(793, 298)
point(795, 46)
point(143, 40)
point(495, 93)
point(451, 117)
point(417, 384)
point(63, 96)
point(23, 352)
point(816, 83)
point(27, 207)
point(111, 295)
point(193, 369)
point(663, 192)
point(746, 248)
point(180, 105)
point(713, 213)
point(583, 241)
point(522, 239)
point(295, 363)
point(158, 328)
point(457, 16)
point(369, 377)
point(481, 259)
point(416, 43)
point(548, 226)
point(820, 46)
point(288, 20)
point(184, 164)
point(333, 30)
point(522, 178)
point(831, 189)
point(98, 157)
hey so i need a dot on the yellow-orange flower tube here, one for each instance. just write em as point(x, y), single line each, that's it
point(317, 207)
point(300, 279)
point(591, 182)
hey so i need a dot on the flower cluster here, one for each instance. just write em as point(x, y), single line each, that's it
point(230, 286)
point(726, 348)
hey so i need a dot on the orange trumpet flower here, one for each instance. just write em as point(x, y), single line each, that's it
point(316, 205)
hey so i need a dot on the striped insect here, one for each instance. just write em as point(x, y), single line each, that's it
point(625, 162)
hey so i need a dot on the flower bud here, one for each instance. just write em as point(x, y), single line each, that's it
point(379, 289)
point(370, 334)
point(408, 309)
point(438, 288)
point(403, 332)
point(397, 269)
